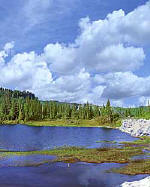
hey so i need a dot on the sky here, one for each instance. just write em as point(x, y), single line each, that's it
point(77, 50)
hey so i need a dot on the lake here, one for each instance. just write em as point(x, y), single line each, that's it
point(27, 138)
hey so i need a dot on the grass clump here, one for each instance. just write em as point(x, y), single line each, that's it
point(94, 155)
point(121, 155)
point(143, 142)
point(106, 141)
point(135, 167)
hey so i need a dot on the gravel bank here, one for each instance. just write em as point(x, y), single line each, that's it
point(136, 127)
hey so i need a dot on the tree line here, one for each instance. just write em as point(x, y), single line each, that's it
point(137, 112)
point(24, 106)
point(16, 93)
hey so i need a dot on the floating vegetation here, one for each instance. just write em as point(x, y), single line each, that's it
point(138, 166)
point(125, 154)
point(106, 141)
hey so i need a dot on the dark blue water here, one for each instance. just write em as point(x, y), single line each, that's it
point(25, 160)
point(26, 138)
point(15, 173)
point(60, 175)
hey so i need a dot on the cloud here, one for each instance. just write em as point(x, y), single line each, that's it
point(5, 52)
point(135, 25)
point(9, 46)
point(26, 20)
point(113, 44)
point(36, 11)
point(125, 84)
point(70, 88)
point(101, 63)
point(117, 58)
point(30, 72)
point(25, 71)
point(60, 58)
point(119, 27)
point(144, 101)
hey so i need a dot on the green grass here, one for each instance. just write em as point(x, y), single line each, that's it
point(135, 167)
point(95, 155)
point(144, 140)
point(106, 141)
point(98, 155)
point(9, 122)
point(71, 123)
point(64, 123)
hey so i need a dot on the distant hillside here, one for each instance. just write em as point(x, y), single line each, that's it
point(16, 93)
point(24, 106)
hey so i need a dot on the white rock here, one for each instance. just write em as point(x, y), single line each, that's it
point(142, 183)
point(136, 127)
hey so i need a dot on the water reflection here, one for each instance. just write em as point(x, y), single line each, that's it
point(26, 138)
point(26, 160)
point(59, 175)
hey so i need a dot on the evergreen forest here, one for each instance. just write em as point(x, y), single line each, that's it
point(23, 106)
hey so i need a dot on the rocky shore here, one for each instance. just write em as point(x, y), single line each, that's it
point(142, 183)
point(136, 127)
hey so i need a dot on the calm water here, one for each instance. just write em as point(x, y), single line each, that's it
point(57, 174)
point(26, 138)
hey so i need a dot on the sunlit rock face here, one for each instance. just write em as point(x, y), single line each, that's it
point(142, 183)
point(136, 127)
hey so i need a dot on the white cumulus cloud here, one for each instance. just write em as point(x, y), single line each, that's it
point(115, 43)
point(101, 63)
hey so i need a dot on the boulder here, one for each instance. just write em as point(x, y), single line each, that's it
point(136, 127)
point(142, 183)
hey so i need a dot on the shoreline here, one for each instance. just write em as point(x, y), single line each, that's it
point(145, 182)
point(62, 123)
point(75, 154)
point(134, 127)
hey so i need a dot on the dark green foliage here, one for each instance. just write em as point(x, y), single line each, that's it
point(24, 106)
point(16, 93)
point(138, 112)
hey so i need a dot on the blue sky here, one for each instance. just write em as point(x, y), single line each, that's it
point(77, 50)
point(59, 25)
